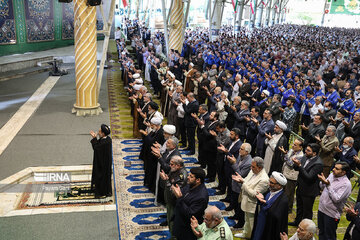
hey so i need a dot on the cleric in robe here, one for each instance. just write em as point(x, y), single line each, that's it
point(102, 163)
point(271, 214)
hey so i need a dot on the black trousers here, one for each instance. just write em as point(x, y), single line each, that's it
point(327, 226)
point(201, 157)
point(220, 171)
point(182, 130)
point(190, 134)
point(210, 159)
point(304, 205)
point(228, 172)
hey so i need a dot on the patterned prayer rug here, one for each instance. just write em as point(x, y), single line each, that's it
point(39, 195)
point(139, 217)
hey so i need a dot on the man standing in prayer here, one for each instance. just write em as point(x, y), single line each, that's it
point(102, 163)
point(271, 215)
point(336, 189)
point(213, 227)
point(273, 155)
point(192, 201)
point(257, 181)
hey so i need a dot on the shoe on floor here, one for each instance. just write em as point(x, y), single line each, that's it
point(220, 193)
point(238, 226)
point(229, 208)
point(233, 217)
point(163, 224)
point(240, 235)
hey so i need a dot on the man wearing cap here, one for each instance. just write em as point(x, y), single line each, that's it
point(102, 163)
point(271, 215)
point(192, 201)
point(273, 155)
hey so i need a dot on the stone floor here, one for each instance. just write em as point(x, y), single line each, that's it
point(49, 135)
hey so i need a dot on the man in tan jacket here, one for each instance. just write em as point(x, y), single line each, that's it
point(257, 181)
point(328, 144)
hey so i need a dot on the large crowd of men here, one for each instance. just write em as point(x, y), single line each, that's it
point(275, 113)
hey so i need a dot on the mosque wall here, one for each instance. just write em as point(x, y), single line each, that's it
point(35, 25)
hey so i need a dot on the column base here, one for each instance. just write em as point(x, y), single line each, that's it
point(82, 111)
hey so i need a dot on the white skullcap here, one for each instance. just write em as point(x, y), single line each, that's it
point(177, 82)
point(171, 74)
point(137, 87)
point(139, 81)
point(281, 125)
point(191, 64)
point(266, 92)
point(279, 177)
point(136, 75)
point(156, 121)
point(170, 129)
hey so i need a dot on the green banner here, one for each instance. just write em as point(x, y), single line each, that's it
point(349, 7)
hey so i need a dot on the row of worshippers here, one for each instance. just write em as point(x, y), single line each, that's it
point(263, 201)
point(265, 127)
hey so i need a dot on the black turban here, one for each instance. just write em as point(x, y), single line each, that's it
point(343, 112)
point(105, 129)
point(154, 105)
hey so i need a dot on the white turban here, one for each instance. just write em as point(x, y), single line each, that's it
point(170, 129)
point(139, 81)
point(177, 82)
point(171, 74)
point(156, 121)
point(266, 92)
point(281, 125)
point(279, 177)
point(191, 64)
point(137, 87)
point(136, 75)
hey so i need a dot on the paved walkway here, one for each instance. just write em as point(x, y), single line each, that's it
point(49, 135)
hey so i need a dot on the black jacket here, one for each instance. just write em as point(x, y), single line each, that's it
point(192, 203)
point(308, 181)
point(165, 159)
point(354, 221)
point(192, 107)
point(354, 132)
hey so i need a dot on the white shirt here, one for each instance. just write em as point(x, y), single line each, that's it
point(117, 34)
point(315, 110)
point(295, 237)
point(273, 194)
